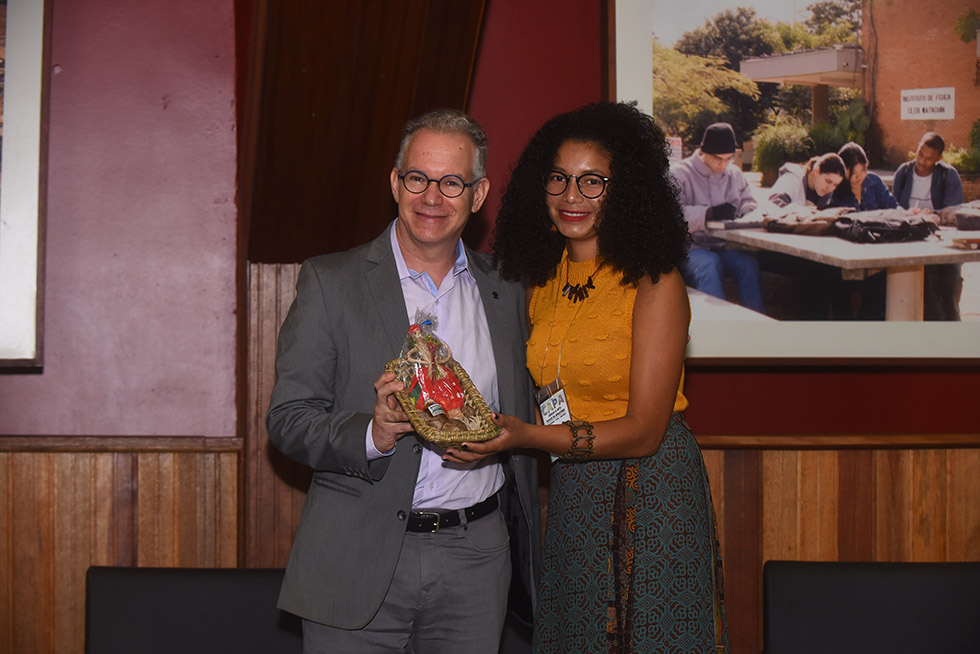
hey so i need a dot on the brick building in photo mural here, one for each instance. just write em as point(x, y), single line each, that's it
point(920, 76)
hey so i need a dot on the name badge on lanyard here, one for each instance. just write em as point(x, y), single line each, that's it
point(554, 405)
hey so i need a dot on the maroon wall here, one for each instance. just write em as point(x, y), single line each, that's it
point(898, 400)
point(140, 263)
point(535, 60)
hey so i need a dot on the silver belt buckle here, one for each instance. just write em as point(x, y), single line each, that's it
point(438, 517)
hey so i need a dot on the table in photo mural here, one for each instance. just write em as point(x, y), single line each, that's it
point(904, 263)
point(707, 308)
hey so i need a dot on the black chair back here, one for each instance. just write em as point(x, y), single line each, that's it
point(821, 607)
point(186, 611)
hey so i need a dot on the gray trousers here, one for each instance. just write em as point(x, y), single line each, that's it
point(448, 594)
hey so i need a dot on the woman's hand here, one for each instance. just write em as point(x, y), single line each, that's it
point(514, 433)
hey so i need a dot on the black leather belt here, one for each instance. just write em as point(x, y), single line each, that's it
point(430, 522)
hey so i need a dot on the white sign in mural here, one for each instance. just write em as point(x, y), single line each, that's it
point(929, 104)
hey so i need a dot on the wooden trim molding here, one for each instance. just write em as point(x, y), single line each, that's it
point(96, 444)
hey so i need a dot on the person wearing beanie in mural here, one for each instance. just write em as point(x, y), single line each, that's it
point(711, 188)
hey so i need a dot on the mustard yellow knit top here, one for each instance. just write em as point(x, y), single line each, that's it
point(591, 339)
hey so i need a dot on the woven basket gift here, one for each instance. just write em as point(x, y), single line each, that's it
point(440, 437)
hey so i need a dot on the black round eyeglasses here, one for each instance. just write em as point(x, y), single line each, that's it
point(590, 185)
point(452, 186)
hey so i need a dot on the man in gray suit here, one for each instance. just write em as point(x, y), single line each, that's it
point(399, 548)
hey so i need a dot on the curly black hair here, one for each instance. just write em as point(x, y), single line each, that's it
point(641, 227)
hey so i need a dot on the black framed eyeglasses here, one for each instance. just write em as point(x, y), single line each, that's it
point(590, 185)
point(452, 186)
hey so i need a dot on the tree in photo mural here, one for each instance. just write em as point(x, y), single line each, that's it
point(689, 91)
point(738, 33)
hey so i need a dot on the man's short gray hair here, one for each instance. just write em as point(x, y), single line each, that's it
point(447, 121)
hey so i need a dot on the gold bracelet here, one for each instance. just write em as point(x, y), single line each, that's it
point(576, 451)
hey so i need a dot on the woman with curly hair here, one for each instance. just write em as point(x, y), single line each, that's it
point(590, 223)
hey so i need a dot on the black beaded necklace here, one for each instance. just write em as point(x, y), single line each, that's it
point(577, 292)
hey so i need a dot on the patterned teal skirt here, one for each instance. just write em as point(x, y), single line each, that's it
point(631, 556)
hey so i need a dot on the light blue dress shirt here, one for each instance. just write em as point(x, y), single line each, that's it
point(461, 323)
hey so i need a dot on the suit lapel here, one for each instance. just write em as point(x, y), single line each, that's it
point(386, 291)
point(384, 287)
point(502, 324)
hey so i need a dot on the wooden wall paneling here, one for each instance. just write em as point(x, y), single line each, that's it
point(260, 481)
point(155, 510)
point(291, 495)
point(817, 536)
point(929, 505)
point(817, 504)
point(276, 486)
point(32, 562)
point(742, 490)
point(103, 511)
point(893, 495)
point(856, 507)
point(227, 496)
point(963, 500)
point(781, 505)
point(256, 510)
point(179, 522)
point(286, 499)
point(122, 494)
point(72, 507)
point(75, 542)
point(6, 546)
point(197, 511)
point(192, 517)
point(714, 462)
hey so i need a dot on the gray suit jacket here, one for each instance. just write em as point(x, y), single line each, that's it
point(347, 321)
